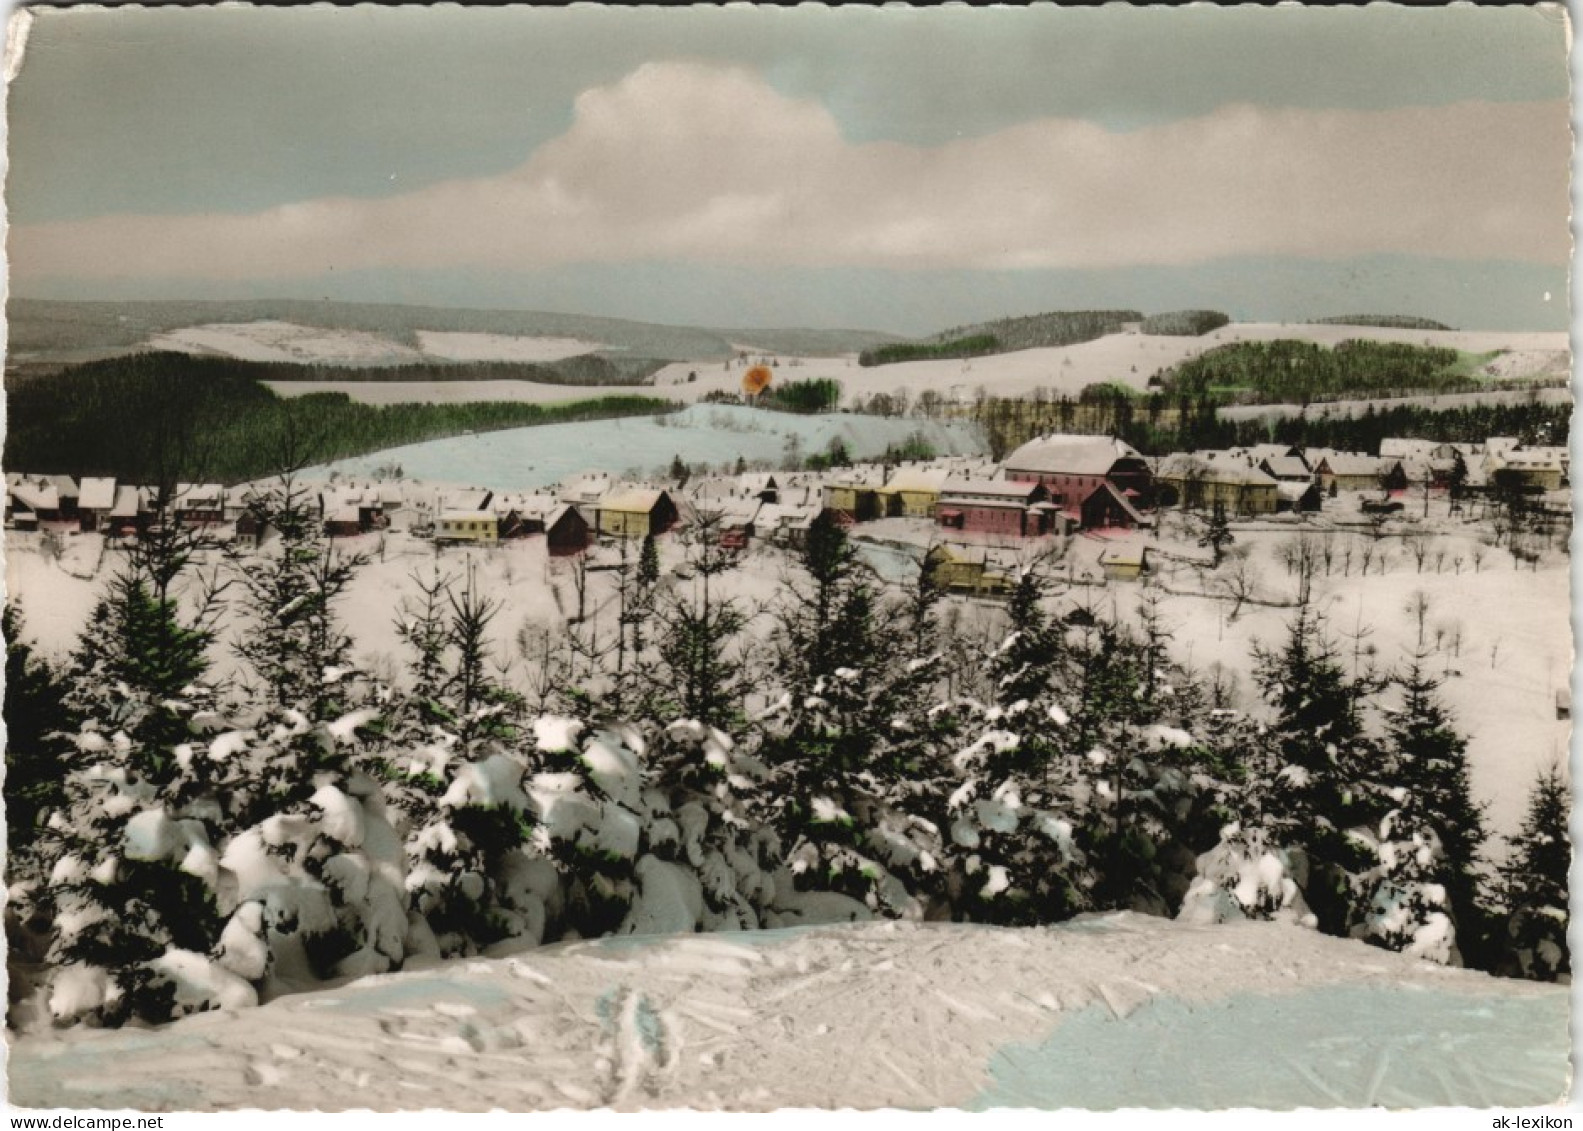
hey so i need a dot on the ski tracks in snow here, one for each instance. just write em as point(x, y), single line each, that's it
point(903, 1015)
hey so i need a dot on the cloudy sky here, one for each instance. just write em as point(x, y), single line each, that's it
point(901, 170)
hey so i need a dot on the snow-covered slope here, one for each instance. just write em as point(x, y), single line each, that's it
point(1114, 1011)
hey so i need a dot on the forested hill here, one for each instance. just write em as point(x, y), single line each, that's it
point(47, 329)
point(157, 417)
point(1389, 321)
point(1184, 323)
point(1289, 371)
point(1005, 335)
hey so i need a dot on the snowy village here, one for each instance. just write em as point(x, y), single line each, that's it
point(419, 699)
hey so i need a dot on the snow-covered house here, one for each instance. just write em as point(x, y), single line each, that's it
point(1107, 506)
point(1200, 480)
point(586, 489)
point(1071, 468)
point(970, 569)
point(1124, 562)
point(786, 523)
point(762, 485)
point(737, 520)
point(198, 504)
point(913, 490)
point(477, 528)
point(997, 506)
point(350, 509)
point(66, 490)
point(854, 493)
point(471, 499)
point(523, 513)
point(636, 513)
point(31, 500)
point(1530, 469)
point(566, 531)
point(95, 501)
point(1353, 471)
point(1256, 454)
point(248, 531)
point(132, 512)
point(1285, 469)
point(1301, 497)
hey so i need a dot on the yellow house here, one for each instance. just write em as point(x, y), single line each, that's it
point(913, 492)
point(479, 528)
point(962, 569)
point(854, 497)
point(1125, 563)
point(636, 513)
point(1202, 480)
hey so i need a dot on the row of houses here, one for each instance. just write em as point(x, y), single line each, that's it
point(1054, 484)
point(1499, 462)
point(104, 505)
point(1059, 483)
point(1267, 478)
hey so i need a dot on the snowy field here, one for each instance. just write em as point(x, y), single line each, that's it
point(1128, 359)
point(286, 341)
point(521, 458)
point(1515, 649)
point(1099, 1013)
point(291, 342)
point(1509, 629)
point(456, 346)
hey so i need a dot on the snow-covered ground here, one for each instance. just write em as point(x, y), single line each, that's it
point(1515, 650)
point(1505, 630)
point(520, 458)
point(1099, 1013)
point(1127, 359)
point(456, 346)
point(287, 341)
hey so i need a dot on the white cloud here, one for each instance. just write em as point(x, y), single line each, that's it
point(685, 161)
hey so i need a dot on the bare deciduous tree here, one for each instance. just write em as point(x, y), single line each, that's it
point(1239, 581)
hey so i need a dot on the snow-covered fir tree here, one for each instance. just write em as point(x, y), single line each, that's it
point(132, 891)
point(1534, 888)
point(34, 754)
point(833, 742)
point(1020, 797)
point(1422, 893)
point(698, 672)
point(293, 641)
point(1321, 752)
point(456, 751)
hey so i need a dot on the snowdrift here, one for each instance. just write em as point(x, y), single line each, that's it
point(1101, 1012)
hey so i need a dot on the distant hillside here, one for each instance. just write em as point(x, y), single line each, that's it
point(1055, 328)
point(150, 417)
point(583, 369)
point(809, 343)
point(1289, 371)
point(49, 330)
point(1007, 335)
point(1389, 321)
point(1184, 323)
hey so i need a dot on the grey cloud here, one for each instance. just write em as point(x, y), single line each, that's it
point(708, 163)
